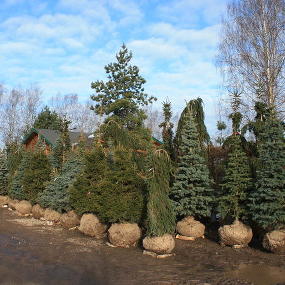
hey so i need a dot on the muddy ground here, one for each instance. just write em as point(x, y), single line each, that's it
point(34, 253)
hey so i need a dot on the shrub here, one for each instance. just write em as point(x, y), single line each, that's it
point(56, 194)
point(110, 187)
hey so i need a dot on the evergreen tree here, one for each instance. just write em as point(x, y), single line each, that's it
point(191, 191)
point(160, 211)
point(221, 126)
point(16, 190)
point(167, 129)
point(56, 194)
point(110, 188)
point(62, 147)
point(48, 119)
point(83, 191)
point(266, 202)
point(3, 174)
point(196, 108)
point(237, 182)
point(36, 174)
point(122, 96)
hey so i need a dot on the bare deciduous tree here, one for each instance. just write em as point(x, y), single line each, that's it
point(81, 116)
point(18, 109)
point(252, 50)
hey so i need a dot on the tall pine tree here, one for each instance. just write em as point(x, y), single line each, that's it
point(122, 96)
point(267, 201)
point(191, 190)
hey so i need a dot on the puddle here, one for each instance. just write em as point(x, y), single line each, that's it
point(259, 274)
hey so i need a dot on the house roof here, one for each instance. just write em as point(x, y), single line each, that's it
point(51, 136)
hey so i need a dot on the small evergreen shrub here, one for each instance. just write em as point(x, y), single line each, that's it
point(56, 194)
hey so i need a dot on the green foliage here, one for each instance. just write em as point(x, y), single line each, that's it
point(3, 173)
point(48, 119)
point(16, 190)
point(160, 212)
point(110, 188)
point(267, 201)
point(191, 191)
point(56, 194)
point(167, 129)
point(237, 182)
point(221, 126)
point(121, 97)
point(262, 114)
point(36, 175)
point(83, 192)
point(196, 108)
point(62, 147)
point(14, 157)
point(236, 121)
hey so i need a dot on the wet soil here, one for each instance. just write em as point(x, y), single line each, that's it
point(33, 253)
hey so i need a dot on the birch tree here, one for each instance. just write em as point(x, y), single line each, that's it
point(252, 50)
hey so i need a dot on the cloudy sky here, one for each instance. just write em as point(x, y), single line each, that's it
point(63, 45)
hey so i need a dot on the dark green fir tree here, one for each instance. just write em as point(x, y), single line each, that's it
point(36, 174)
point(160, 211)
point(83, 192)
point(56, 194)
point(3, 173)
point(191, 191)
point(267, 201)
point(48, 119)
point(121, 195)
point(16, 189)
point(167, 129)
point(122, 97)
point(236, 183)
point(110, 187)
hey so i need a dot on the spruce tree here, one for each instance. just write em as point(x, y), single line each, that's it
point(16, 189)
point(56, 194)
point(3, 173)
point(236, 183)
point(160, 211)
point(266, 202)
point(36, 174)
point(122, 96)
point(167, 129)
point(191, 190)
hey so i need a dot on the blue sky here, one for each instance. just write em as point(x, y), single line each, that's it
point(63, 45)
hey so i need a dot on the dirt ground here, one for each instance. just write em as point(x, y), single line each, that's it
point(32, 252)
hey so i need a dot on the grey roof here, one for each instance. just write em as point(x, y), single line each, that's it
point(51, 136)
